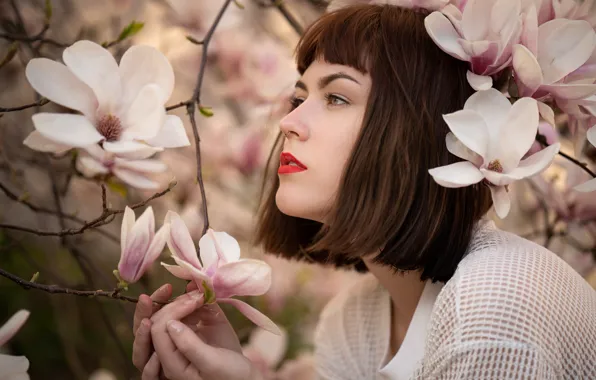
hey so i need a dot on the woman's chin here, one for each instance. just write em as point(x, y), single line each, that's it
point(293, 205)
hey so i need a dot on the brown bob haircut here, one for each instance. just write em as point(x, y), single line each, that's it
point(387, 202)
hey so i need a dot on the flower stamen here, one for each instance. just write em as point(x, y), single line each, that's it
point(495, 166)
point(110, 127)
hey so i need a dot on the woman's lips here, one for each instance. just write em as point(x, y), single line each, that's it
point(289, 164)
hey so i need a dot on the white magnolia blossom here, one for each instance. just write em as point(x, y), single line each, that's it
point(121, 106)
point(482, 34)
point(97, 162)
point(493, 136)
point(13, 367)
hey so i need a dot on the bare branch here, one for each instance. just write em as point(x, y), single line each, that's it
point(39, 103)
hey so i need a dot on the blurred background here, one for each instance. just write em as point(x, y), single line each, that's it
point(249, 76)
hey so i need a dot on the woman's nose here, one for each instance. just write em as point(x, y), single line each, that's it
point(294, 127)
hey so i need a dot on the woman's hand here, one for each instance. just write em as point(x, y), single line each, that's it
point(142, 348)
point(204, 346)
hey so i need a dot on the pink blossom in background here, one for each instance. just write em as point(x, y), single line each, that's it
point(549, 132)
point(13, 367)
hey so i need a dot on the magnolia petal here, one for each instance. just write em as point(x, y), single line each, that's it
point(145, 166)
point(476, 19)
point(457, 148)
point(157, 245)
point(97, 68)
point(459, 174)
point(131, 149)
point(180, 242)
point(586, 187)
point(492, 105)
point(501, 200)
point(518, 133)
point(470, 128)
point(253, 314)
point(128, 221)
point(246, 277)
point(37, 141)
point(527, 70)
point(479, 48)
point(56, 82)
point(197, 274)
point(146, 114)
point(529, 36)
point(496, 178)
point(444, 35)
point(90, 167)
point(547, 113)
point(178, 271)
point(218, 245)
point(503, 13)
point(479, 82)
point(591, 135)
point(66, 129)
point(13, 367)
point(535, 164)
point(142, 65)
point(171, 135)
point(135, 179)
point(10, 328)
point(570, 91)
point(564, 45)
point(271, 348)
point(138, 240)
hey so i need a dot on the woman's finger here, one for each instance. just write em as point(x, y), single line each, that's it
point(145, 307)
point(141, 348)
point(172, 361)
point(210, 362)
point(151, 369)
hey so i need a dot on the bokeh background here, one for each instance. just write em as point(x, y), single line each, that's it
point(249, 75)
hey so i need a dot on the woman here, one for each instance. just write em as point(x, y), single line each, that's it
point(448, 295)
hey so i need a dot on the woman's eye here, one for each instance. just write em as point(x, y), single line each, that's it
point(295, 102)
point(335, 100)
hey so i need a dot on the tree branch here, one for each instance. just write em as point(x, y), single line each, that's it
point(39, 103)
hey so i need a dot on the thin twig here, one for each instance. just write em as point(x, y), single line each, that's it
point(41, 102)
point(55, 289)
point(582, 165)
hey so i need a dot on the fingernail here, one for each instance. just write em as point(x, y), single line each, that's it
point(174, 326)
point(196, 295)
point(163, 288)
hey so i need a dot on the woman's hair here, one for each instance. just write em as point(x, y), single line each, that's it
point(387, 200)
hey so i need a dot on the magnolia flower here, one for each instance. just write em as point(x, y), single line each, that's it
point(121, 106)
point(483, 34)
point(549, 133)
point(13, 367)
point(556, 61)
point(132, 172)
point(570, 9)
point(492, 136)
point(140, 245)
point(222, 274)
point(424, 4)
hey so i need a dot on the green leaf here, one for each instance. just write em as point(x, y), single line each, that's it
point(118, 188)
point(34, 277)
point(206, 111)
point(239, 4)
point(48, 10)
point(130, 30)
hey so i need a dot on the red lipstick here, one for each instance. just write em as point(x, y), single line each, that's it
point(289, 164)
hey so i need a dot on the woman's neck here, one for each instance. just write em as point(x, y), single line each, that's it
point(405, 290)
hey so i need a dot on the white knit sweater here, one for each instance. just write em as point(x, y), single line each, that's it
point(513, 310)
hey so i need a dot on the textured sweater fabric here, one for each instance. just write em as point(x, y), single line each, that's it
point(512, 310)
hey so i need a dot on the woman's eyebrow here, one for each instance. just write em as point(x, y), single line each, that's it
point(324, 81)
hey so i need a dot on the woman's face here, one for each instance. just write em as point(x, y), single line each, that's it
point(320, 132)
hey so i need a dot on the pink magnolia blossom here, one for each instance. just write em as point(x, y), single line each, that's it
point(556, 62)
point(13, 367)
point(482, 34)
point(492, 136)
point(570, 9)
point(549, 133)
point(220, 274)
point(120, 105)
point(95, 161)
point(140, 245)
